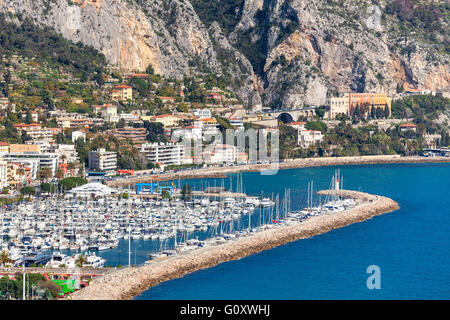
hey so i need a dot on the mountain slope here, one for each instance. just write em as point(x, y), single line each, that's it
point(285, 53)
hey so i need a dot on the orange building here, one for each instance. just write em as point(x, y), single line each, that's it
point(378, 100)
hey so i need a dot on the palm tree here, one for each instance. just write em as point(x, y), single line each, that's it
point(80, 261)
point(60, 173)
point(20, 172)
point(71, 167)
point(45, 173)
point(4, 258)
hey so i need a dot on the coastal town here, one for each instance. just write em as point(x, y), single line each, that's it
point(51, 138)
point(114, 179)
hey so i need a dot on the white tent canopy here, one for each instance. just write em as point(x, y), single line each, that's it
point(93, 188)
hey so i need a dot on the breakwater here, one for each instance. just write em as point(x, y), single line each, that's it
point(129, 282)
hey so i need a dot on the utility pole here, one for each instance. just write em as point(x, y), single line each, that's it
point(23, 280)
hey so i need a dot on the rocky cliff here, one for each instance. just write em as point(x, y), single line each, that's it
point(284, 53)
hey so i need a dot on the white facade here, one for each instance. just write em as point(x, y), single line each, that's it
point(44, 145)
point(165, 153)
point(338, 105)
point(3, 174)
point(78, 134)
point(189, 133)
point(307, 138)
point(220, 153)
point(202, 113)
point(67, 150)
point(236, 122)
point(34, 161)
point(129, 117)
point(102, 160)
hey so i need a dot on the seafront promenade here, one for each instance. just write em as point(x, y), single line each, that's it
point(221, 172)
point(128, 282)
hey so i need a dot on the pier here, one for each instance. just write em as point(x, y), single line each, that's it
point(129, 282)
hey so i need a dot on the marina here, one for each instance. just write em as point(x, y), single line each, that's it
point(56, 231)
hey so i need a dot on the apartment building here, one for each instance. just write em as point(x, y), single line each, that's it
point(167, 120)
point(102, 160)
point(107, 112)
point(122, 93)
point(34, 161)
point(137, 135)
point(220, 153)
point(3, 174)
point(164, 153)
point(36, 132)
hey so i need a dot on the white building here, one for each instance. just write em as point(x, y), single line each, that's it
point(78, 134)
point(65, 151)
point(338, 105)
point(44, 145)
point(220, 153)
point(202, 113)
point(35, 161)
point(129, 117)
point(3, 174)
point(102, 160)
point(307, 138)
point(297, 125)
point(190, 133)
point(236, 122)
point(165, 153)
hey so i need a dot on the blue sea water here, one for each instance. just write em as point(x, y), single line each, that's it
point(410, 245)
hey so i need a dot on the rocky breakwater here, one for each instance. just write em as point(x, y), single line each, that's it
point(129, 282)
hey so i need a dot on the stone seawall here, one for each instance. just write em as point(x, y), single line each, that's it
point(129, 282)
point(221, 172)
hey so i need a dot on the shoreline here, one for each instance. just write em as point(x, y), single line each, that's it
point(221, 172)
point(125, 284)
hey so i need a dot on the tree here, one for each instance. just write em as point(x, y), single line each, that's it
point(150, 69)
point(30, 191)
point(80, 261)
point(45, 173)
point(186, 192)
point(47, 187)
point(386, 111)
point(4, 258)
point(379, 113)
point(98, 78)
point(71, 182)
point(121, 123)
point(59, 173)
point(372, 112)
point(165, 194)
point(29, 118)
point(317, 125)
point(320, 112)
point(183, 107)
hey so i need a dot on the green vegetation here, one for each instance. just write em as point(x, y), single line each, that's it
point(35, 283)
point(420, 105)
point(28, 191)
point(186, 192)
point(71, 182)
point(39, 41)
